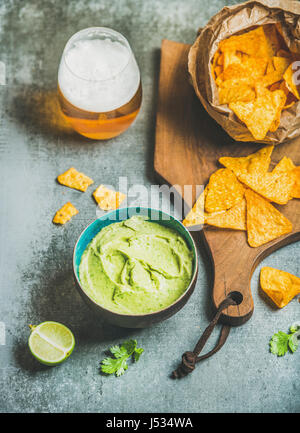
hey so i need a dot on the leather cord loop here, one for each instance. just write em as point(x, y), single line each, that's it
point(190, 359)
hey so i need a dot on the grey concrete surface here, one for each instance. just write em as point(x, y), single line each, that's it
point(36, 281)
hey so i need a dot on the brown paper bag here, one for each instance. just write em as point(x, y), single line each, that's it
point(232, 20)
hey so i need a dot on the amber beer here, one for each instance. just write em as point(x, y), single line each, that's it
point(99, 84)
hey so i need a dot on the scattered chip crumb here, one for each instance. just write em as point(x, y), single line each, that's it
point(108, 199)
point(65, 213)
point(74, 179)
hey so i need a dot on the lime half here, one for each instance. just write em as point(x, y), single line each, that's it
point(51, 342)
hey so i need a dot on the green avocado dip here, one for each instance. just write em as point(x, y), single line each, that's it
point(136, 266)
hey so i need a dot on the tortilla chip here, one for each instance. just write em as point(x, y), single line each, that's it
point(65, 213)
point(223, 191)
point(232, 72)
point(270, 67)
point(242, 56)
point(275, 86)
point(290, 97)
point(281, 64)
point(289, 80)
point(237, 91)
point(249, 71)
point(220, 59)
point(257, 66)
point(264, 221)
point(218, 70)
point(285, 164)
point(234, 218)
point(275, 186)
point(254, 66)
point(279, 285)
point(230, 57)
point(272, 81)
point(196, 214)
point(216, 58)
point(257, 162)
point(254, 43)
point(280, 100)
point(275, 124)
point(258, 115)
point(108, 199)
point(296, 187)
point(234, 82)
point(74, 179)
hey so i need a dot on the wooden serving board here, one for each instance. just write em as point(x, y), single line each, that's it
point(188, 145)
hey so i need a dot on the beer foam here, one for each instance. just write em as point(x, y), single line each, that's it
point(98, 75)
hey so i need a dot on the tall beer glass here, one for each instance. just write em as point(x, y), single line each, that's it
point(99, 85)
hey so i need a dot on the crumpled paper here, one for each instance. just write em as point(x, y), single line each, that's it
point(238, 19)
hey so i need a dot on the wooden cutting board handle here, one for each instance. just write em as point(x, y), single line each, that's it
point(233, 270)
point(188, 145)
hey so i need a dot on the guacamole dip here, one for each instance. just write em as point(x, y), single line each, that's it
point(136, 266)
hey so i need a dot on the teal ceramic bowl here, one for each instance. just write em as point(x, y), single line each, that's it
point(138, 320)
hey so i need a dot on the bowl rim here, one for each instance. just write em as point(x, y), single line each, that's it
point(193, 278)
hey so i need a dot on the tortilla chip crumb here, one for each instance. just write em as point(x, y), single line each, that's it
point(74, 179)
point(108, 199)
point(65, 213)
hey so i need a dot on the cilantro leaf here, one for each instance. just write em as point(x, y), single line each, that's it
point(129, 346)
point(121, 353)
point(293, 341)
point(118, 351)
point(295, 327)
point(111, 366)
point(108, 366)
point(137, 354)
point(279, 343)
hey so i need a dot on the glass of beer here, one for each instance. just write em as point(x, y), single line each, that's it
point(99, 85)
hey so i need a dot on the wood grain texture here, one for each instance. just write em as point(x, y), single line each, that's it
point(187, 148)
